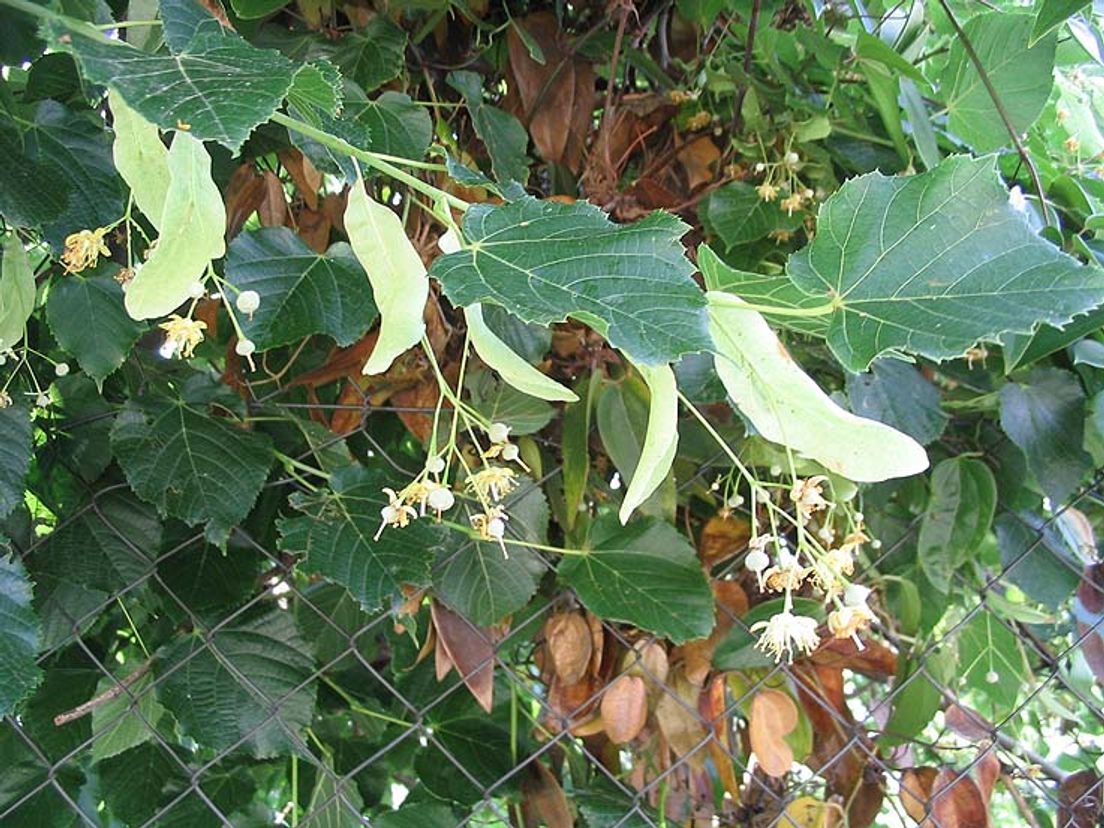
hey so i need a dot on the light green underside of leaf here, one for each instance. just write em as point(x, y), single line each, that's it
point(660, 439)
point(787, 406)
point(192, 227)
point(510, 365)
point(396, 272)
point(140, 157)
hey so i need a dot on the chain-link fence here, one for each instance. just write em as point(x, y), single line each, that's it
point(894, 734)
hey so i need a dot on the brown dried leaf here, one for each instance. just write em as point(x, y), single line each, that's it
point(597, 642)
point(1080, 800)
point(916, 789)
point(956, 802)
point(874, 659)
point(809, 812)
point(722, 537)
point(699, 158)
point(244, 194)
point(543, 802)
point(306, 176)
point(556, 98)
point(567, 637)
point(422, 395)
point(314, 228)
point(648, 660)
point(773, 716)
point(570, 704)
point(678, 717)
point(273, 209)
point(624, 709)
point(347, 420)
point(470, 649)
point(968, 723)
point(986, 773)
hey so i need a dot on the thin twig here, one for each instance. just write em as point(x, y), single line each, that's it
point(1021, 803)
point(1036, 182)
point(110, 693)
point(749, 47)
point(608, 108)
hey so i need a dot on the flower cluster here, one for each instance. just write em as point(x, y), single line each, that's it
point(182, 335)
point(781, 177)
point(823, 565)
point(84, 248)
point(425, 493)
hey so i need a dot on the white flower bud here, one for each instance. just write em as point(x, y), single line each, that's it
point(498, 433)
point(992, 677)
point(735, 502)
point(775, 470)
point(757, 560)
point(248, 301)
point(855, 595)
point(62, 369)
point(435, 465)
point(389, 513)
point(441, 500)
point(245, 347)
point(859, 517)
point(496, 528)
point(42, 401)
point(760, 167)
point(791, 158)
point(875, 544)
point(509, 452)
point(196, 290)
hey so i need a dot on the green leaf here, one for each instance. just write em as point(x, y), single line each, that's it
point(502, 403)
point(737, 215)
point(20, 634)
point(133, 784)
point(644, 574)
point(501, 133)
point(396, 272)
point(623, 413)
point(1035, 558)
point(786, 405)
point(140, 158)
point(87, 317)
point(192, 227)
point(334, 805)
point(897, 394)
point(1022, 77)
point(33, 191)
point(78, 144)
point(479, 582)
point(337, 535)
point(636, 288)
point(224, 687)
point(510, 365)
point(374, 56)
point(190, 464)
point(958, 517)
point(254, 9)
point(987, 649)
point(217, 84)
point(17, 291)
point(1052, 14)
point(576, 447)
point(396, 125)
point(15, 456)
point(531, 341)
point(657, 453)
point(317, 85)
point(1045, 417)
point(932, 263)
point(302, 292)
point(417, 815)
point(918, 694)
point(126, 720)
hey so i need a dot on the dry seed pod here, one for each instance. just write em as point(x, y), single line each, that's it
point(648, 660)
point(624, 709)
point(567, 637)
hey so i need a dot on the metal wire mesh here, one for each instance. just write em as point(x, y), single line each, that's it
point(1043, 751)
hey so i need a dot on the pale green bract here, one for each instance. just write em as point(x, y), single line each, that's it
point(786, 406)
point(192, 226)
point(510, 366)
point(17, 291)
point(395, 271)
point(660, 440)
point(140, 157)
